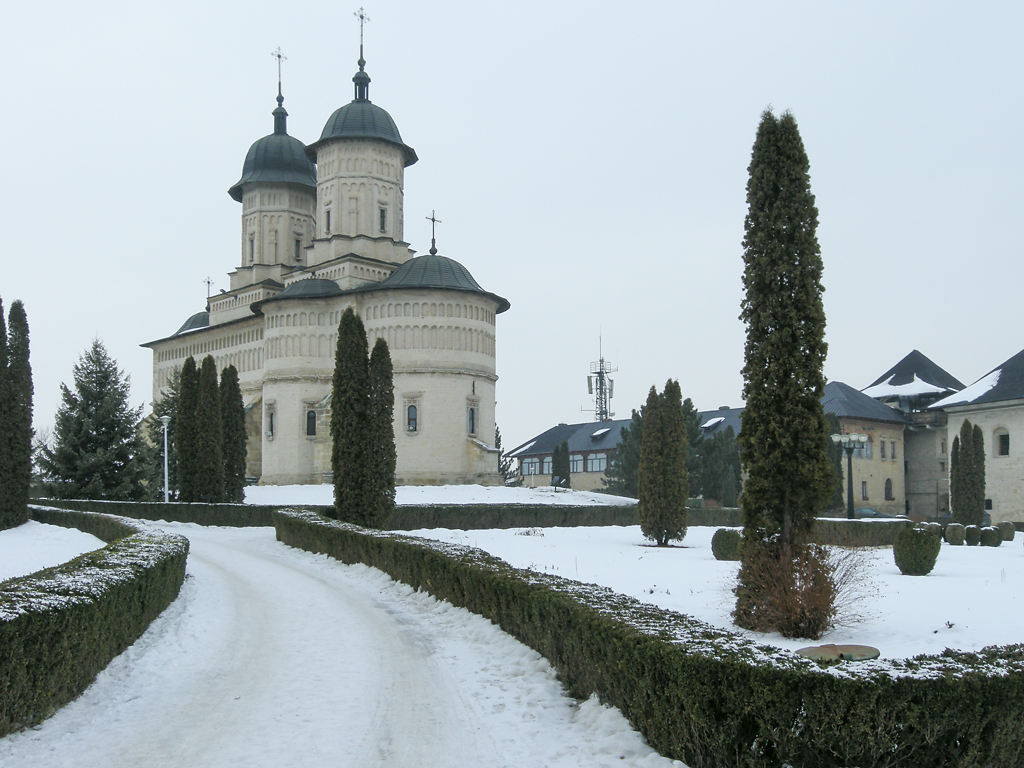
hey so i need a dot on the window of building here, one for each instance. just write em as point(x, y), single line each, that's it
point(892, 450)
point(270, 424)
point(531, 466)
point(1002, 442)
point(864, 490)
point(988, 505)
point(881, 446)
point(411, 420)
point(597, 462)
point(298, 249)
point(311, 423)
point(576, 462)
point(327, 221)
point(252, 250)
point(863, 451)
point(383, 212)
point(546, 466)
point(888, 490)
point(471, 420)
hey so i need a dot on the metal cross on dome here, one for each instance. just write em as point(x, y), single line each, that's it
point(363, 18)
point(434, 221)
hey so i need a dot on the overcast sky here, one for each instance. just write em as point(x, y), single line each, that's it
point(587, 159)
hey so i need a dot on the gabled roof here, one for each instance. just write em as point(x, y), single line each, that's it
point(589, 436)
point(846, 402)
point(1004, 382)
point(914, 375)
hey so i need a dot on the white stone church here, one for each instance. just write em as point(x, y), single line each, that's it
point(322, 230)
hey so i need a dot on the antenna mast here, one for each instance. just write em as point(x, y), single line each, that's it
point(601, 387)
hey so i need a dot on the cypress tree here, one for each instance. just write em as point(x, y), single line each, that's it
point(14, 494)
point(649, 472)
point(783, 439)
point(232, 420)
point(350, 417)
point(8, 519)
point(96, 451)
point(954, 480)
point(560, 469)
point(382, 456)
point(674, 449)
point(208, 436)
point(694, 440)
point(978, 442)
point(185, 432)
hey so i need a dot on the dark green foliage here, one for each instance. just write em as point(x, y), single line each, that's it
point(15, 418)
point(972, 535)
point(209, 484)
point(991, 536)
point(857, 533)
point(186, 431)
point(836, 459)
point(978, 446)
point(167, 405)
point(232, 421)
point(560, 464)
point(381, 453)
point(96, 451)
point(63, 625)
point(967, 475)
point(1008, 530)
point(506, 464)
point(661, 476)
point(350, 420)
point(620, 478)
point(703, 695)
point(694, 439)
point(954, 534)
point(725, 544)
point(720, 464)
point(915, 551)
point(789, 478)
point(954, 476)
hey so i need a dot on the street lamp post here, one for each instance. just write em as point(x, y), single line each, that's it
point(850, 443)
point(165, 419)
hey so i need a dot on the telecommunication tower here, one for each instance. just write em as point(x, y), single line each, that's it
point(601, 387)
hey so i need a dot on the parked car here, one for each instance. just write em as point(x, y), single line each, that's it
point(871, 512)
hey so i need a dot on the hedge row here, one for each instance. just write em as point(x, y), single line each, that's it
point(234, 515)
point(857, 533)
point(705, 695)
point(60, 626)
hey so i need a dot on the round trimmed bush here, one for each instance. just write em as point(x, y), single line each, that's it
point(725, 544)
point(972, 535)
point(933, 528)
point(954, 534)
point(1008, 530)
point(915, 551)
point(991, 536)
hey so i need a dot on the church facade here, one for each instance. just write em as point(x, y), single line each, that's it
point(321, 231)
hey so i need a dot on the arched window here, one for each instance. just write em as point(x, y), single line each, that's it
point(410, 418)
point(311, 423)
point(888, 490)
point(471, 419)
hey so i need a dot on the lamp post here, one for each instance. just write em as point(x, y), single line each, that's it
point(850, 443)
point(165, 419)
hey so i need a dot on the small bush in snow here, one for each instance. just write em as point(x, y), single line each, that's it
point(954, 534)
point(935, 529)
point(725, 544)
point(972, 535)
point(915, 551)
point(1008, 530)
point(991, 536)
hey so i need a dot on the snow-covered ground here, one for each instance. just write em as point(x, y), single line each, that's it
point(34, 546)
point(274, 657)
point(970, 600)
point(436, 494)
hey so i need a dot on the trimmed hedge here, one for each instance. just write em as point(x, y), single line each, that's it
point(857, 533)
point(954, 534)
point(725, 544)
point(1008, 530)
point(991, 536)
point(916, 550)
point(704, 695)
point(972, 535)
point(234, 515)
point(61, 626)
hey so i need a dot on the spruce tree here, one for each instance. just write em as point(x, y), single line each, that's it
point(350, 417)
point(232, 421)
point(18, 423)
point(621, 476)
point(382, 457)
point(783, 439)
point(208, 435)
point(96, 451)
point(185, 433)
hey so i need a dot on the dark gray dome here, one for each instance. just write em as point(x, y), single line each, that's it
point(435, 271)
point(276, 159)
point(197, 321)
point(310, 288)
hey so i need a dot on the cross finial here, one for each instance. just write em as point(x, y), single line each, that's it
point(209, 286)
point(363, 18)
point(434, 221)
point(279, 55)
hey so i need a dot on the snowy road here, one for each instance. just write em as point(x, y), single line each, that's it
point(276, 657)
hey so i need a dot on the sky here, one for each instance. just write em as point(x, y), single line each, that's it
point(587, 160)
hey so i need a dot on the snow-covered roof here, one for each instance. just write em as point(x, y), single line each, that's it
point(522, 448)
point(914, 387)
point(600, 432)
point(914, 375)
point(981, 387)
point(712, 422)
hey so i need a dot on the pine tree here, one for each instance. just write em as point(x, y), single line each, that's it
point(208, 436)
point(167, 405)
point(186, 428)
point(783, 439)
point(232, 421)
point(621, 476)
point(18, 422)
point(350, 431)
point(96, 444)
point(382, 456)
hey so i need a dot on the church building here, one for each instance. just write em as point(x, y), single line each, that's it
point(321, 231)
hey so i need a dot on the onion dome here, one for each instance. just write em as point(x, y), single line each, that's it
point(276, 159)
point(197, 322)
point(361, 119)
point(436, 272)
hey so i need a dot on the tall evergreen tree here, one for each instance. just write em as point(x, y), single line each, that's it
point(954, 480)
point(967, 475)
point(560, 464)
point(18, 423)
point(694, 438)
point(185, 437)
point(209, 444)
point(232, 421)
point(96, 444)
point(167, 405)
point(506, 464)
point(649, 471)
point(382, 457)
point(836, 457)
point(621, 476)
point(978, 481)
point(8, 519)
point(674, 450)
point(661, 476)
point(783, 439)
point(350, 433)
